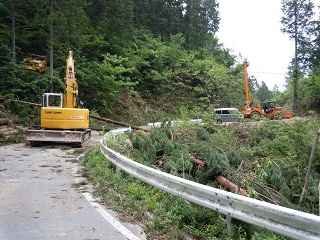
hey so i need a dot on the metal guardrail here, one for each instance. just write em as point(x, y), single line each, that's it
point(286, 221)
point(192, 121)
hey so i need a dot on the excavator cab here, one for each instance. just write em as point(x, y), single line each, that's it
point(36, 63)
point(268, 106)
point(272, 111)
point(52, 100)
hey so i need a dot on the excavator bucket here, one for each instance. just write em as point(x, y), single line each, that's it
point(35, 63)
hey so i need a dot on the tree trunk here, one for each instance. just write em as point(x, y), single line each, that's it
point(231, 186)
point(118, 123)
point(313, 152)
point(319, 197)
point(13, 30)
point(51, 46)
point(295, 71)
point(4, 121)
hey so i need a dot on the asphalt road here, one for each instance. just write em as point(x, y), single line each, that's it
point(38, 199)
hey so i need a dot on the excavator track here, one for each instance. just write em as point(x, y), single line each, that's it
point(76, 138)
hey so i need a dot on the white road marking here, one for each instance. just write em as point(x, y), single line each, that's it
point(114, 222)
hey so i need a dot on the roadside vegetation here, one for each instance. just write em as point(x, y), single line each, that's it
point(267, 160)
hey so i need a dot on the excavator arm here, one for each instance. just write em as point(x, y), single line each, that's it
point(246, 81)
point(248, 104)
point(71, 92)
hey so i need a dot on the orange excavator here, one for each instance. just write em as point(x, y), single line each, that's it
point(268, 109)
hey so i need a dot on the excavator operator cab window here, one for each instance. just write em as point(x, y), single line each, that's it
point(268, 106)
point(52, 100)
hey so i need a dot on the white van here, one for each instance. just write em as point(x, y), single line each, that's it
point(227, 115)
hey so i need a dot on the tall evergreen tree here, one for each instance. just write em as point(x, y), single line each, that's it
point(201, 21)
point(166, 17)
point(315, 53)
point(113, 23)
point(296, 19)
point(264, 94)
point(13, 41)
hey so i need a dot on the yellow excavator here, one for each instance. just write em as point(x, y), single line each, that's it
point(36, 63)
point(61, 120)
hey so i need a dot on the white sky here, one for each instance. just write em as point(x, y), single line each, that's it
point(252, 28)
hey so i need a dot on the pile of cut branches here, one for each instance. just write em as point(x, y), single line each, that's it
point(197, 160)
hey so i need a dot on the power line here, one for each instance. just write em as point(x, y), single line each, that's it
point(269, 73)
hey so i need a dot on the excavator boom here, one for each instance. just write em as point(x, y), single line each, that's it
point(71, 91)
point(246, 81)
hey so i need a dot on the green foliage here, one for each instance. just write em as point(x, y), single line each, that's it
point(159, 146)
point(309, 91)
point(101, 83)
point(263, 93)
point(297, 24)
point(203, 135)
point(279, 155)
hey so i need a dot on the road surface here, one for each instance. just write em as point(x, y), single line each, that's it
point(39, 198)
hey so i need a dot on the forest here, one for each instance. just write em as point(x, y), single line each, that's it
point(140, 60)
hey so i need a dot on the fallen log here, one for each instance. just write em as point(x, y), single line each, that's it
point(4, 121)
point(118, 123)
point(10, 132)
point(231, 186)
point(4, 136)
point(201, 165)
point(3, 127)
point(28, 103)
point(14, 120)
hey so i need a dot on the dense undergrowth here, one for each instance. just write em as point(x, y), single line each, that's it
point(163, 216)
point(267, 159)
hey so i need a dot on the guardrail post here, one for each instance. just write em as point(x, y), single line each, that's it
point(118, 171)
point(229, 226)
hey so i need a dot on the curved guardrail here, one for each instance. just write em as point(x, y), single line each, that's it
point(286, 221)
